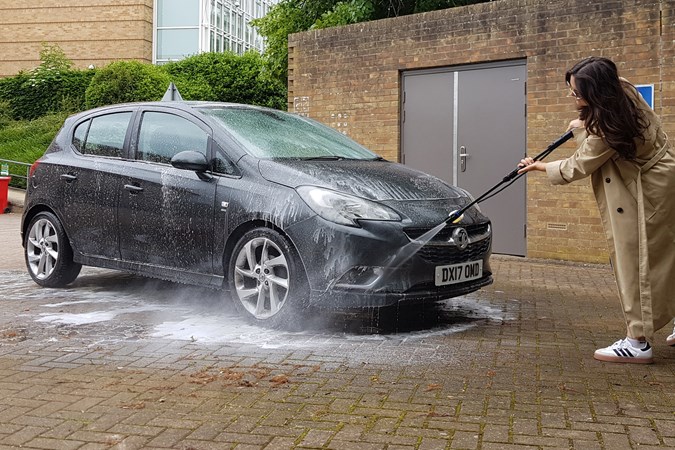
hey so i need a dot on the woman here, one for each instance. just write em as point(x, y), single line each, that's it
point(632, 167)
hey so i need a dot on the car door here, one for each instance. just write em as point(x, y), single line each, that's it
point(166, 214)
point(92, 180)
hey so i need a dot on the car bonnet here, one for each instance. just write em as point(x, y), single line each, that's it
point(373, 180)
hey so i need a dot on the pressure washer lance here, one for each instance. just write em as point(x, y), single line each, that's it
point(456, 216)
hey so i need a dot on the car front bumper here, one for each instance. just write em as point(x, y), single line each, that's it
point(377, 265)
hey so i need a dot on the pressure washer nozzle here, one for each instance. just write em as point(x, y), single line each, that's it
point(457, 219)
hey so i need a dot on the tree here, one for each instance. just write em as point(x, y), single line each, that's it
point(293, 16)
point(286, 17)
point(227, 77)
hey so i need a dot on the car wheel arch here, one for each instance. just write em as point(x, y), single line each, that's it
point(258, 302)
point(47, 251)
point(34, 211)
point(40, 208)
point(244, 228)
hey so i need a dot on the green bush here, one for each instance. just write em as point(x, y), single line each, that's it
point(9, 85)
point(26, 141)
point(193, 88)
point(51, 87)
point(32, 96)
point(126, 81)
point(28, 97)
point(230, 78)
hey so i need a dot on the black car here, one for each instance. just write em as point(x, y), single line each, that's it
point(279, 210)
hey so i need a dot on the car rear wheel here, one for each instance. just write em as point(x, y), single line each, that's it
point(49, 257)
point(266, 279)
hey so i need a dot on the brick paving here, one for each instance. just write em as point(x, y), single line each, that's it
point(518, 375)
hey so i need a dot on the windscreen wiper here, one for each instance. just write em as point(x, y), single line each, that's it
point(323, 158)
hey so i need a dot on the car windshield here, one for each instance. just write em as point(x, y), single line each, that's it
point(272, 134)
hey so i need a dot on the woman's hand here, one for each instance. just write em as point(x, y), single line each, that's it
point(528, 164)
point(576, 123)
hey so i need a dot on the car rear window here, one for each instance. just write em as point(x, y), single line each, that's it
point(102, 135)
point(277, 134)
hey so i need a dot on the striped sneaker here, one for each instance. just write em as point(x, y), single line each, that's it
point(622, 351)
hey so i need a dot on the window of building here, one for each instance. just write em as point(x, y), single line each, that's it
point(187, 27)
point(177, 44)
point(177, 29)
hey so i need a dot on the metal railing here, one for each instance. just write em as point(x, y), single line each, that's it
point(15, 173)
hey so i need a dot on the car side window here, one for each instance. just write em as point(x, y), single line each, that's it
point(223, 164)
point(80, 135)
point(105, 137)
point(164, 135)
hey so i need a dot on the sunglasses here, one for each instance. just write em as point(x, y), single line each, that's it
point(574, 94)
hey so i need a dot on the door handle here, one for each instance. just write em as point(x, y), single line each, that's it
point(133, 189)
point(462, 158)
point(68, 178)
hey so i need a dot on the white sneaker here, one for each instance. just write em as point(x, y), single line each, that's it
point(622, 351)
point(670, 340)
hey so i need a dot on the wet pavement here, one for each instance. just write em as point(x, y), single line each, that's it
point(118, 361)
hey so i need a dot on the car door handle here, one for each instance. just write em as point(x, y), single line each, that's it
point(68, 177)
point(133, 189)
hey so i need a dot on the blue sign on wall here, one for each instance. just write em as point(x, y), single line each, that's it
point(647, 92)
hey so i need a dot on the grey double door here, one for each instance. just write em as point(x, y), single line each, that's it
point(467, 126)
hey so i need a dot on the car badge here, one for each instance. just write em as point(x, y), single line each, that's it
point(460, 237)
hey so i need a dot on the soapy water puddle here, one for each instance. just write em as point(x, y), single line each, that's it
point(109, 306)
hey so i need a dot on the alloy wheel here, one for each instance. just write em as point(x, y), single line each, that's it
point(42, 248)
point(261, 277)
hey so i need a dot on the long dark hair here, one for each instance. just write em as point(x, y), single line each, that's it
point(610, 114)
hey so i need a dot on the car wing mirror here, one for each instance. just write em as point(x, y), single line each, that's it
point(190, 160)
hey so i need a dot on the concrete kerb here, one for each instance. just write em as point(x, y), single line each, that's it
point(15, 199)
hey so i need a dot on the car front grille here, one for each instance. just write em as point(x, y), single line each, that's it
point(439, 251)
point(444, 235)
point(445, 254)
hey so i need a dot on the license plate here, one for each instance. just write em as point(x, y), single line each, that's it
point(459, 273)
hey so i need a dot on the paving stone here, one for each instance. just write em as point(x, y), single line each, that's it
point(517, 374)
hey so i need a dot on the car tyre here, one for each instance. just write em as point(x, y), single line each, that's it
point(48, 254)
point(266, 279)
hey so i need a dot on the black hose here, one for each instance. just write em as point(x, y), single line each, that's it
point(510, 178)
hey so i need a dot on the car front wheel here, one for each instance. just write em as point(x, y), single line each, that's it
point(49, 257)
point(266, 279)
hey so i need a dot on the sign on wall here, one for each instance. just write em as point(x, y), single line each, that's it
point(647, 92)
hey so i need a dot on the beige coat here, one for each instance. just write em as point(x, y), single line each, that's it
point(637, 206)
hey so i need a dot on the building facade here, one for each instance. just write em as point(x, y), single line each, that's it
point(97, 32)
point(352, 78)
point(188, 27)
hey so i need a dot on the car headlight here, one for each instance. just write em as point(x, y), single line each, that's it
point(343, 208)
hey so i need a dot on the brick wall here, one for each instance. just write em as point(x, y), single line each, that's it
point(89, 32)
point(349, 77)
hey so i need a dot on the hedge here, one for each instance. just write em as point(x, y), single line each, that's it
point(126, 81)
point(30, 95)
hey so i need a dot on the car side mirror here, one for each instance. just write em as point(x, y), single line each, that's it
point(190, 160)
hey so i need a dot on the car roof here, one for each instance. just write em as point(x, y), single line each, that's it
point(181, 105)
